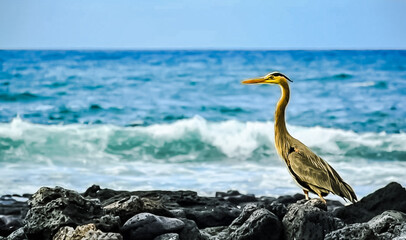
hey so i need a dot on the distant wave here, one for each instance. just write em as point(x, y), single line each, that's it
point(15, 97)
point(186, 140)
point(339, 76)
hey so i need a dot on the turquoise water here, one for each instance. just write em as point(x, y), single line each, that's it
point(182, 120)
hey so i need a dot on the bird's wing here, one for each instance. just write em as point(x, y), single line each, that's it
point(314, 171)
point(311, 169)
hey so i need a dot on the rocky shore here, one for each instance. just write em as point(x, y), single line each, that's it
point(58, 213)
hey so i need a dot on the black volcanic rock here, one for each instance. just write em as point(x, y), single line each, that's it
point(236, 197)
point(229, 215)
point(278, 209)
point(391, 197)
point(190, 231)
point(287, 199)
point(18, 234)
point(309, 220)
point(52, 208)
point(261, 225)
point(359, 231)
point(13, 209)
point(388, 225)
point(254, 222)
point(212, 216)
point(148, 226)
point(130, 206)
point(9, 223)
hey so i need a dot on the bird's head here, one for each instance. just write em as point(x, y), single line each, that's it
point(270, 78)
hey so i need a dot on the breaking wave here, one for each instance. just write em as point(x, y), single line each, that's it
point(186, 140)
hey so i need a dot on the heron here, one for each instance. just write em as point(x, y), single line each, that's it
point(309, 171)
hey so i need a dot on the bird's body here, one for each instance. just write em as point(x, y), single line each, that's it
point(310, 172)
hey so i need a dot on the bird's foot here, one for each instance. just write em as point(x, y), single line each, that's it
point(306, 194)
point(322, 199)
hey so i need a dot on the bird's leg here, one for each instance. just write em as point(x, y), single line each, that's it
point(306, 194)
point(322, 199)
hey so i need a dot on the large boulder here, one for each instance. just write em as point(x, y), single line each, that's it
point(309, 220)
point(53, 208)
point(149, 226)
point(388, 225)
point(261, 225)
point(391, 197)
point(254, 222)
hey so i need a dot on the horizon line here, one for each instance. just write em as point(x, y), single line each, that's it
point(198, 49)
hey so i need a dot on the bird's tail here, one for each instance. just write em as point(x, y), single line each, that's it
point(347, 192)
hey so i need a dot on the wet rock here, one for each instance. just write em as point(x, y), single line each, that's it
point(261, 225)
point(216, 233)
point(58, 207)
point(148, 226)
point(254, 222)
point(360, 231)
point(190, 231)
point(309, 220)
point(246, 213)
point(387, 225)
point(391, 197)
point(212, 216)
point(278, 209)
point(168, 236)
point(387, 221)
point(9, 223)
point(13, 209)
point(85, 232)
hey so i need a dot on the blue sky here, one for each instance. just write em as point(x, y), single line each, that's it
point(198, 24)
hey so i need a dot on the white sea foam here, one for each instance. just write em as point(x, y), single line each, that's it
point(363, 84)
point(188, 140)
point(188, 154)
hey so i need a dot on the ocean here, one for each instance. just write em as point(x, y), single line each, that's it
point(172, 120)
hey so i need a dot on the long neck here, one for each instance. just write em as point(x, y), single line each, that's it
point(280, 126)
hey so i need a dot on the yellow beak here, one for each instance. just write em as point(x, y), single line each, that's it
point(260, 80)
